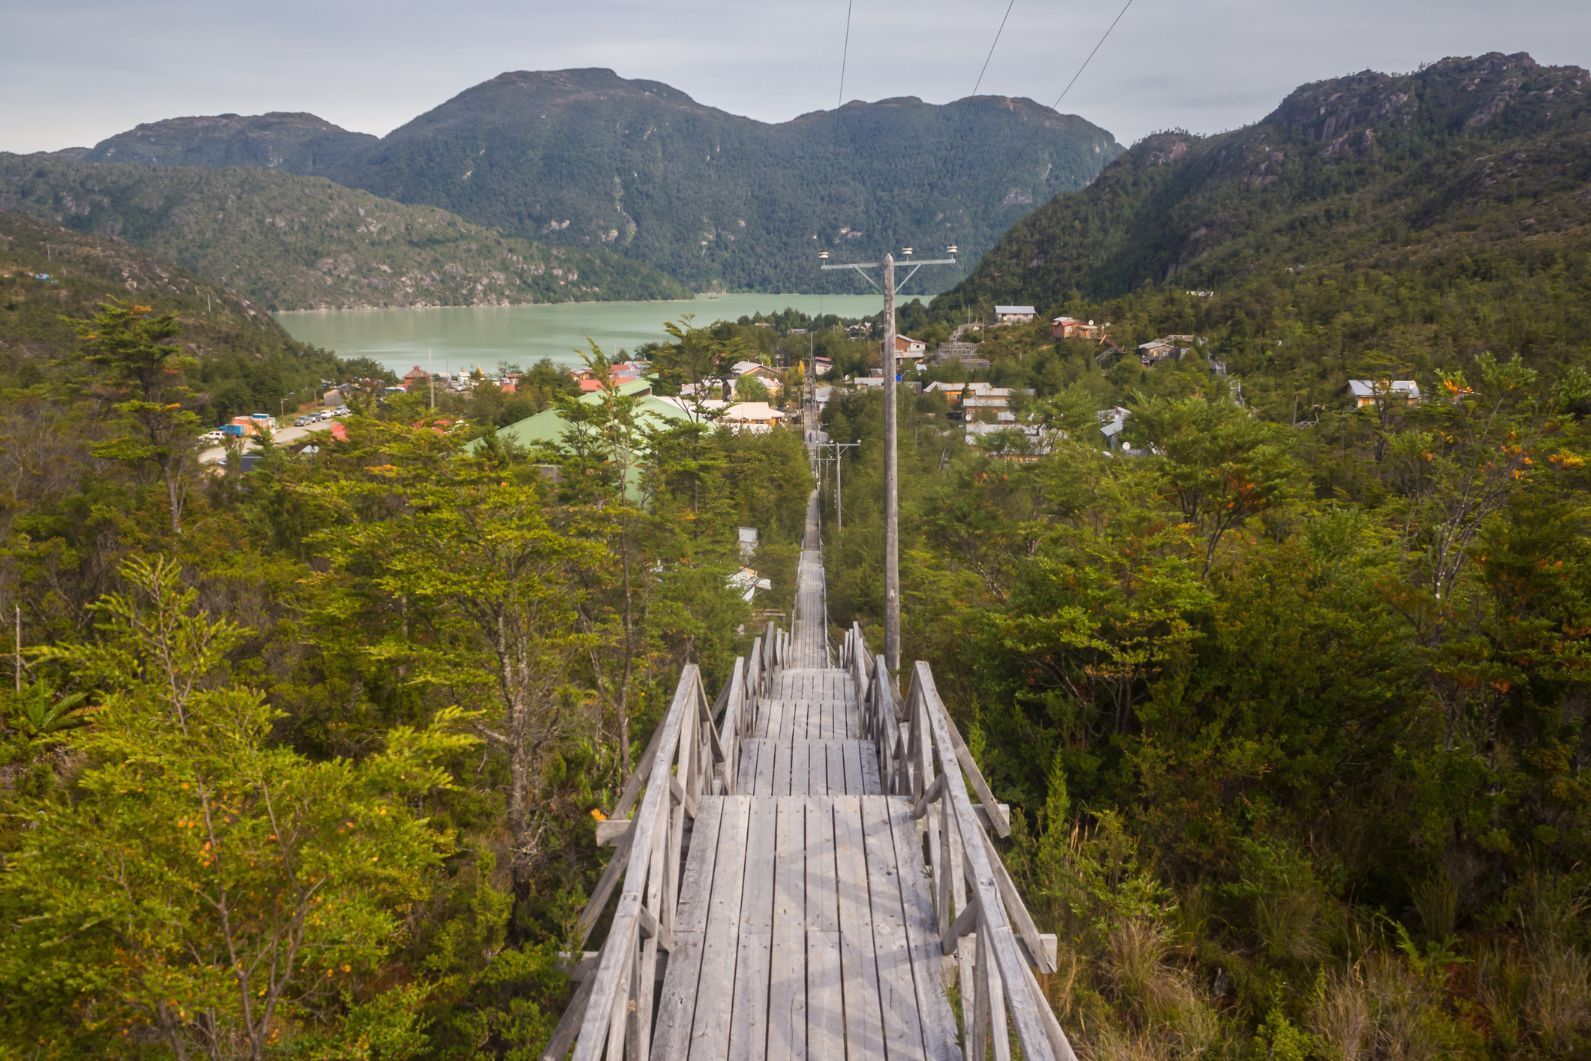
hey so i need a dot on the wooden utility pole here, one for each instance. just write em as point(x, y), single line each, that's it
point(891, 486)
point(839, 449)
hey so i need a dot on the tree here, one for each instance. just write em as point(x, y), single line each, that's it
point(1220, 464)
point(467, 577)
point(201, 887)
point(145, 376)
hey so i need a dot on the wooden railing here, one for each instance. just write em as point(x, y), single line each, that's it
point(690, 756)
point(982, 919)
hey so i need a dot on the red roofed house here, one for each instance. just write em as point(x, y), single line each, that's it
point(414, 377)
point(1072, 328)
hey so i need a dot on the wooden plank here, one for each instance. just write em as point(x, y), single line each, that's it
point(825, 999)
point(897, 991)
point(671, 1038)
point(748, 1025)
point(747, 776)
point(799, 784)
point(853, 767)
point(772, 718)
point(922, 936)
point(864, 1029)
point(781, 771)
point(787, 987)
point(836, 755)
point(715, 991)
point(817, 769)
point(764, 780)
point(871, 783)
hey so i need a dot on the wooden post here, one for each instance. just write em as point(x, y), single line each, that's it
point(891, 486)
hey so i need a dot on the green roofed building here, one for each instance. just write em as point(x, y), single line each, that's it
point(549, 426)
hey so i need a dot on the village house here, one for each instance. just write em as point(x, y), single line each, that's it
point(976, 401)
point(1015, 314)
point(908, 348)
point(963, 354)
point(1367, 392)
point(1166, 348)
point(761, 373)
point(822, 366)
point(415, 377)
point(755, 418)
point(1072, 328)
point(619, 374)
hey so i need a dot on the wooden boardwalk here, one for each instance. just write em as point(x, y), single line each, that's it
point(802, 881)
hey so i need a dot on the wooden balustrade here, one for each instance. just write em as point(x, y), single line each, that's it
point(982, 919)
point(692, 754)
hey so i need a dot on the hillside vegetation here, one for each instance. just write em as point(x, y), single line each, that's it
point(245, 361)
point(1373, 223)
point(293, 143)
point(589, 159)
point(292, 242)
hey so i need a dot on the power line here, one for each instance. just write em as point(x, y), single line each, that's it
point(845, 51)
point(992, 46)
point(1056, 105)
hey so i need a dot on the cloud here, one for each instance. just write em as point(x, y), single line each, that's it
point(77, 71)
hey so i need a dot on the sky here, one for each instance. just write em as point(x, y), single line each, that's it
point(73, 72)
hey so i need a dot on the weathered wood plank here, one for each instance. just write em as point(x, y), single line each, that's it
point(781, 770)
point(872, 785)
point(799, 783)
point(922, 936)
point(897, 991)
point(825, 999)
point(748, 1026)
point(747, 776)
point(853, 767)
point(671, 1037)
point(836, 757)
point(763, 782)
point(864, 1029)
point(715, 992)
point(787, 986)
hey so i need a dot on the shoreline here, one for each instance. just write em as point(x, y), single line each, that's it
point(700, 297)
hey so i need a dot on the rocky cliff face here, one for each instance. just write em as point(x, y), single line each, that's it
point(1495, 147)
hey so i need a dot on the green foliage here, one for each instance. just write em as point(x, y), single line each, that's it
point(295, 242)
point(202, 889)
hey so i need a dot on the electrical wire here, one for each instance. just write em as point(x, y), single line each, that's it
point(1011, 168)
point(845, 52)
point(992, 46)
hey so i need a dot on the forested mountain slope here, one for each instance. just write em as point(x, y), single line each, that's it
point(1466, 158)
point(293, 143)
point(293, 242)
point(587, 158)
point(50, 276)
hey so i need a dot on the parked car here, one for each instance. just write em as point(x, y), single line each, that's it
point(212, 437)
point(301, 421)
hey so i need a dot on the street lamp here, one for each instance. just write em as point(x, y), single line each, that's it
point(281, 405)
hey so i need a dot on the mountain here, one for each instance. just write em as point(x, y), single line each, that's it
point(50, 275)
point(1489, 155)
point(291, 142)
point(293, 242)
point(587, 158)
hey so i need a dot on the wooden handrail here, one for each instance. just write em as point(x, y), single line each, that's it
point(692, 754)
point(982, 919)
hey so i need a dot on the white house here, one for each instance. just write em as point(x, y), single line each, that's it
point(752, 417)
point(1015, 314)
point(1371, 391)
